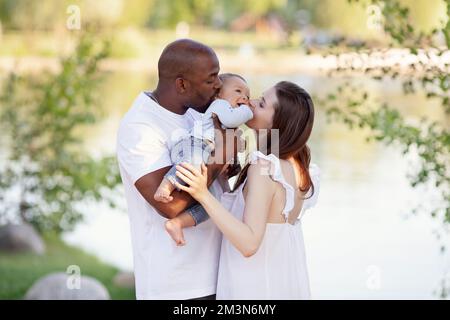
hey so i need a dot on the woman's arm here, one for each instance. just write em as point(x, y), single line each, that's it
point(245, 235)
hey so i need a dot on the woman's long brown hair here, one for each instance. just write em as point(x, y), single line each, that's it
point(294, 118)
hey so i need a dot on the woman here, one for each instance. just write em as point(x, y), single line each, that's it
point(262, 254)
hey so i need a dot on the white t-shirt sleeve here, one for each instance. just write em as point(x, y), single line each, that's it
point(141, 150)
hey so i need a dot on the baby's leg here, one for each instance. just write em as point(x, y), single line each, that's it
point(176, 225)
point(177, 154)
point(164, 190)
point(189, 150)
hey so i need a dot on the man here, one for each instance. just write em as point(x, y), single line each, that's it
point(188, 78)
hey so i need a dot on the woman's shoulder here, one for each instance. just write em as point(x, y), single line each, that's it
point(259, 181)
point(262, 170)
point(260, 167)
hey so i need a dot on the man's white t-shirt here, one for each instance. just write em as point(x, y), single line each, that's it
point(162, 269)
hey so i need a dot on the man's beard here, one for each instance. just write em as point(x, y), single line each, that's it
point(206, 106)
point(203, 108)
point(214, 97)
point(211, 100)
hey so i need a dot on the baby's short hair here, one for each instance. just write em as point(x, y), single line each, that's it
point(224, 76)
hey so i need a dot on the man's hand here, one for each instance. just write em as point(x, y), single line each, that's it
point(147, 186)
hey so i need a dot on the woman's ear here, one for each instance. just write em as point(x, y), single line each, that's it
point(181, 85)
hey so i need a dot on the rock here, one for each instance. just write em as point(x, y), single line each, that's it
point(124, 280)
point(20, 238)
point(62, 286)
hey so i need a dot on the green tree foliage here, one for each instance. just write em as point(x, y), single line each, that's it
point(46, 173)
point(336, 16)
point(46, 14)
point(428, 139)
point(26, 14)
point(169, 13)
point(29, 15)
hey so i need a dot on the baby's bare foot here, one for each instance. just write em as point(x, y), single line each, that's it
point(163, 192)
point(175, 230)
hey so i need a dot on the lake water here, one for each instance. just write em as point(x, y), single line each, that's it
point(361, 240)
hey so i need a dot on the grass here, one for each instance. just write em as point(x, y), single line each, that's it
point(18, 272)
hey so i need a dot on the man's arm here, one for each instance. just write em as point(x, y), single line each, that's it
point(148, 184)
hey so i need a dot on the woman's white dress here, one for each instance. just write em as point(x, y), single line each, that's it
point(278, 269)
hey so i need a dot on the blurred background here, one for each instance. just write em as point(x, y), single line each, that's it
point(379, 75)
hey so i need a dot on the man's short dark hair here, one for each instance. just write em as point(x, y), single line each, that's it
point(180, 58)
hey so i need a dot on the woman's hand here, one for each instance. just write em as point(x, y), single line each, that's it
point(196, 180)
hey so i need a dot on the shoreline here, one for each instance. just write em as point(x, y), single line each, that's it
point(273, 62)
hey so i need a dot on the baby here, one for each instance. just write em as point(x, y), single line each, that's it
point(232, 111)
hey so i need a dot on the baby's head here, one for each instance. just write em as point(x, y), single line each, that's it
point(234, 89)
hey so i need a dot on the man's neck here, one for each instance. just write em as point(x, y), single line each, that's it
point(165, 99)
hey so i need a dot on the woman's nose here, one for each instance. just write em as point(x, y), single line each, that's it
point(252, 103)
point(252, 107)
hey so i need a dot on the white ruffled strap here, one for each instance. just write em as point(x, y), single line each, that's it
point(277, 175)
